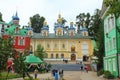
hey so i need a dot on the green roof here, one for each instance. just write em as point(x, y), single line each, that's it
point(4, 23)
point(33, 59)
point(65, 36)
point(23, 32)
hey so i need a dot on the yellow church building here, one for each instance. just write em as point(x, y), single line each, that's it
point(63, 44)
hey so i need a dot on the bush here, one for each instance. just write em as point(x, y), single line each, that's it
point(108, 75)
point(100, 72)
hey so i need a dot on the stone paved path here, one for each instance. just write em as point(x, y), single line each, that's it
point(70, 75)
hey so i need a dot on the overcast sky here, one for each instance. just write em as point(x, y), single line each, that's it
point(49, 9)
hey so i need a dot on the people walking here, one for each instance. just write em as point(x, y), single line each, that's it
point(86, 69)
point(81, 68)
point(61, 74)
point(56, 75)
point(36, 71)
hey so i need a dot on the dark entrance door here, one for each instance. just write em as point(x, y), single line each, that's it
point(84, 58)
point(73, 57)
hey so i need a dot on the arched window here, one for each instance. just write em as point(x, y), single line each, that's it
point(72, 48)
point(52, 56)
point(57, 56)
point(62, 55)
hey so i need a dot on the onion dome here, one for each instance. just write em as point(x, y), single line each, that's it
point(45, 26)
point(29, 26)
point(71, 26)
point(84, 27)
point(15, 17)
point(59, 20)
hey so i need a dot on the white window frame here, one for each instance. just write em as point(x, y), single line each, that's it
point(21, 41)
point(114, 64)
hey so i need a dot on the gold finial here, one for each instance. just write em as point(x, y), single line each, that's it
point(45, 23)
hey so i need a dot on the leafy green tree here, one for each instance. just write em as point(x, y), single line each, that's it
point(114, 7)
point(99, 51)
point(40, 52)
point(83, 19)
point(37, 23)
point(63, 21)
point(5, 50)
point(20, 66)
point(96, 30)
point(1, 17)
point(95, 24)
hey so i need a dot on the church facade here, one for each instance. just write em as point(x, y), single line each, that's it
point(64, 44)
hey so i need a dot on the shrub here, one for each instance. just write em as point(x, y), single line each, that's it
point(108, 75)
point(100, 72)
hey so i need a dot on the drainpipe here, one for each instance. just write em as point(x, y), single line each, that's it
point(117, 48)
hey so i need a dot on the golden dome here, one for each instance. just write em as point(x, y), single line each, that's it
point(59, 20)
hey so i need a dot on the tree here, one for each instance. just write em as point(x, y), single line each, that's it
point(1, 17)
point(20, 66)
point(114, 7)
point(83, 19)
point(37, 23)
point(98, 33)
point(63, 21)
point(5, 50)
point(99, 51)
point(95, 24)
point(40, 52)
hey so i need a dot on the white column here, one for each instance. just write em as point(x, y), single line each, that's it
point(51, 43)
point(67, 44)
point(59, 44)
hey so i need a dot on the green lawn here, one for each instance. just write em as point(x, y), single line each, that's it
point(10, 75)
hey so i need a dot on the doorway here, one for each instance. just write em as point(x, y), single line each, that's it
point(73, 57)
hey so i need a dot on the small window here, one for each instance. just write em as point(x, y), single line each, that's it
point(48, 46)
point(62, 55)
point(114, 42)
point(21, 41)
point(63, 45)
